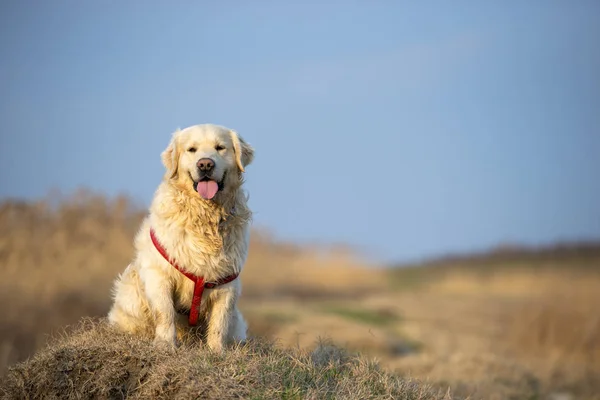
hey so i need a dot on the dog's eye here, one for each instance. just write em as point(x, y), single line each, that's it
point(219, 147)
point(192, 149)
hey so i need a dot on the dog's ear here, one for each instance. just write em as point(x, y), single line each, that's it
point(244, 153)
point(170, 156)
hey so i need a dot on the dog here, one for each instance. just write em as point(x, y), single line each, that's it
point(193, 243)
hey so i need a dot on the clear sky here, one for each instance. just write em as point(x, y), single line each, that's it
point(407, 129)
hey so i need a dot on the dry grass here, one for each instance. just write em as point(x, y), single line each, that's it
point(553, 312)
point(541, 315)
point(97, 362)
point(558, 335)
point(57, 263)
point(511, 325)
point(560, 328)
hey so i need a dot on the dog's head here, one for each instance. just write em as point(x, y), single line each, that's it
point(208, 159)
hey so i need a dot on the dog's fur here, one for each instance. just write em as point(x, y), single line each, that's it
point(207, 238)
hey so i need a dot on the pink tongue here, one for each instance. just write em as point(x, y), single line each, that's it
point(207, 189)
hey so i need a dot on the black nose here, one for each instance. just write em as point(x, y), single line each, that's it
point(205, 165)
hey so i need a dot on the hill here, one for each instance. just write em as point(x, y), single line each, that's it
point(96, 362)
point(507, 255)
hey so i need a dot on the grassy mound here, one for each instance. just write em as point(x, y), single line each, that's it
point(94, 361)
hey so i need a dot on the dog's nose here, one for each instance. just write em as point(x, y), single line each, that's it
point(205, 165)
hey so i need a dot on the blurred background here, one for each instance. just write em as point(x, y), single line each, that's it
point(425, 183)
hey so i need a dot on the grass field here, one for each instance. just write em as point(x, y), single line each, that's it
point(509, 324)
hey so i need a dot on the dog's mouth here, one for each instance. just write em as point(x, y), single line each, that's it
point(208, 188)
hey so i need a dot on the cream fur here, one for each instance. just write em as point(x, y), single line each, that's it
point(204, 236)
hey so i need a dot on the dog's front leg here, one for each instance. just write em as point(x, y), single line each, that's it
point(220, 316)
point(159, 294)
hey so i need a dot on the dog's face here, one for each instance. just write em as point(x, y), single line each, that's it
point(208, 159)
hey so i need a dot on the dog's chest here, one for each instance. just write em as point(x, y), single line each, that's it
point(211, 250)
point(213, 240)
point(182, 297)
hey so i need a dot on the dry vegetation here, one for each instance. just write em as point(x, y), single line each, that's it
point(514, 324)
point(97, 362)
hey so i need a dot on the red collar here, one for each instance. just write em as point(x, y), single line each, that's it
point(199, 283)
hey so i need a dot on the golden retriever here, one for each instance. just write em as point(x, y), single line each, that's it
point(200, 218)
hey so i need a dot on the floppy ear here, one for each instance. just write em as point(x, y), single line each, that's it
point(244, 153)
point(170, 156)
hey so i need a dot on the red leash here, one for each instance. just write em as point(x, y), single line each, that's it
point(199, 283)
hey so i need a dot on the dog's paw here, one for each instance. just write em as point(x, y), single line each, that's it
point(167, 344)
point(215, 347)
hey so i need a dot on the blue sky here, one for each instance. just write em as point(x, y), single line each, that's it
point(406, 129)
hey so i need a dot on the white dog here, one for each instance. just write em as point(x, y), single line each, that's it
point(193, 244)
